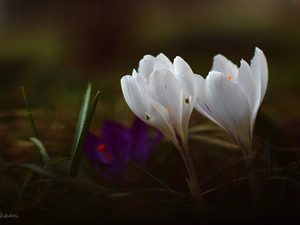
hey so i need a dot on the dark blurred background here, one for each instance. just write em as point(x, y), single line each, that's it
point(54, 48)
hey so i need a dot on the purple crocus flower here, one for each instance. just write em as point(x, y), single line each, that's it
point(110, 153)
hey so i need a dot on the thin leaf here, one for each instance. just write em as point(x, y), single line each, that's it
point(155, 178)
point(285, 180)
point(74, 183)
point(25, 184)
point(214, 141)
point(43, 152)
point(223, 185)
point(204, 127)
point(252, 162)
point(82, 117)
point(46, 163)
point(31, 120)
point(59, 160)
point(149, 174)
point(216, 173)
point(75, 160)
point(35, 168)
point(139, 191)
point(29, 113)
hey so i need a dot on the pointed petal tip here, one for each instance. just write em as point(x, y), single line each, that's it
point(124, 81)
point(219, 56)
point(161, 55)
point(244, 63)
point(259, 52)
point(177, 59)
point(125, 77)
point(257, 49)
point(147, 56)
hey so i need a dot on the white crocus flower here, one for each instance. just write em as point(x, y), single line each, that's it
point(230, 96)
point(162, 94)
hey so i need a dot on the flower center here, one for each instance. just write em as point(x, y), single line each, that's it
point(168, 108)
point(229, 77)
point(102, 148)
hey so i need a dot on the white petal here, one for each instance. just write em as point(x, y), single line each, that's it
point(230, 107)
point(166, 125)
point(139, 78)
point(225, 66)
point(186, 78)
point(187, 81)
point(133, 96)
point(259, 69)
point(134, 73)
point(246, 83)
point(200, 102)
point(141, 106)
point(163, 87)
point(162, 62)
point(245, 80)
point(146, 65)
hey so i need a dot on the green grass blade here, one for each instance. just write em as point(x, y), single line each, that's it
point(43, 152)
point(34, 168)
point(81, 118)
point(22, 190)
point(204, 128)
point(155, 178)
point(252, 162)
point(75, 160)
point(214, 141)
point(149, 174)
point(45, 162)
point(29, 113)
point(31, 119)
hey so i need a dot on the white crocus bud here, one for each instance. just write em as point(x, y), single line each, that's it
point(162, 94)
point(230, 96)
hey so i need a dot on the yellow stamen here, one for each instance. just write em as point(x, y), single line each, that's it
point(168, 108)
point(229, 77)
point(148, 76)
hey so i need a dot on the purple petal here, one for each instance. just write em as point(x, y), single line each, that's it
point(96, 157)
point(117, 140)
point(140, 148)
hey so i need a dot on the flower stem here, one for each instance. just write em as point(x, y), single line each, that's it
point(193, 183)
point(251, 172)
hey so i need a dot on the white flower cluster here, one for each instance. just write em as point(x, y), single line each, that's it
point(163, 94)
